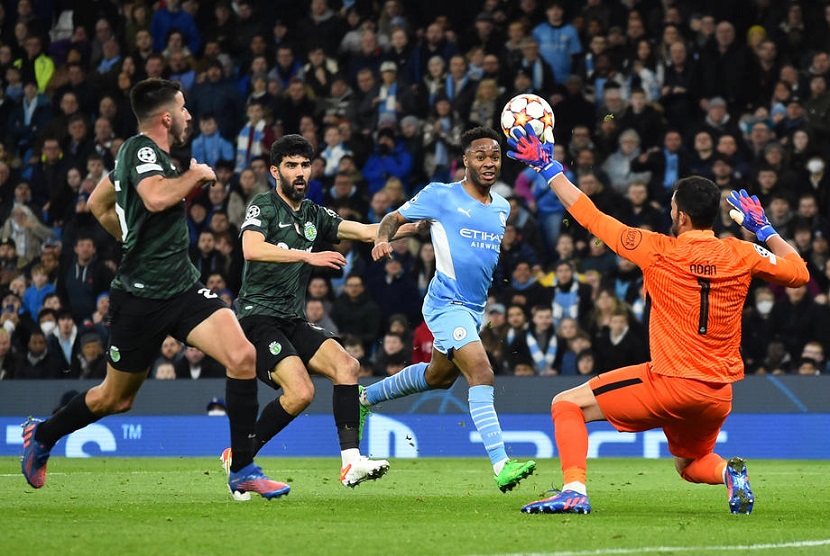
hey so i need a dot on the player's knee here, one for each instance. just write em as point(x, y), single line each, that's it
point(123, 405)
point(242, 362)
point(566, 396)
point(304, 396)
point(297, 397)
point(347, 370)
point(442, 384)
point(103, 400)
point(439, 380)
point(681, 465)
point(482, 375)
point(110, 405)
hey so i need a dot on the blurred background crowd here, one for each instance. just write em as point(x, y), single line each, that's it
point(644, 92)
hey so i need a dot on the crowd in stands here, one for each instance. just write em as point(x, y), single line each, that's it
point(644, 92)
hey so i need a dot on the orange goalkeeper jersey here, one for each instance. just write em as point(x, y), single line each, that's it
point(695, 286)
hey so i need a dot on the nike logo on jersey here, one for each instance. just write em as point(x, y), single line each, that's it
point(465, 212)
point(281, 225)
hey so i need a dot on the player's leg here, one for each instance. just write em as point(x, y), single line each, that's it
point(132, 348)
point(332, 361)
point(708, 469)
point(712, 469)
point(701, 410)
point(444, 322)
point(471, 359)
point(439, 373)
point(570, 411)
point(114, 395)
point(206, 323)
point(237, 355)
point(692, 441)
point(279, 366)
point(297, 394)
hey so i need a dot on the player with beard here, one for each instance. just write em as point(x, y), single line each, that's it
point(467, 225)
point(280, 231)
point(156, 292)
point(695, 285)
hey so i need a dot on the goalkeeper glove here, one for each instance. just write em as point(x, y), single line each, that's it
point(748, 212)
point(528, 149)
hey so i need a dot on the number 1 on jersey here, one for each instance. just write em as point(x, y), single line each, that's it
point(703, 323)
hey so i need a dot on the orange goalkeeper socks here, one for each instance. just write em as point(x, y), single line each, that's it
point(571, 435)
point(707, 470)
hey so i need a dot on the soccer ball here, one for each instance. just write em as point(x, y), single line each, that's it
point(525, 108)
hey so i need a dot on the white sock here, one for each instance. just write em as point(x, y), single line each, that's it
point(497, 467)
point(349, 456)
point(576, 486)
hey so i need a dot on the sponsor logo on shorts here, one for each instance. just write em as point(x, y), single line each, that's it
point(310, 231)
point(275, 348)
point(115, 354)
point(459, 333)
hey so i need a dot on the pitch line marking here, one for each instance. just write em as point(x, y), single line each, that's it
point(648, 549)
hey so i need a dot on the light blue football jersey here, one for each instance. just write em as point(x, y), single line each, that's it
point(467, 237)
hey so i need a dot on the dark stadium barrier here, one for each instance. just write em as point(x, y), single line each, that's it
point(774, 417)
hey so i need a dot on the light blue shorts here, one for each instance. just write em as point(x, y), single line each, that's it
point(453, 326)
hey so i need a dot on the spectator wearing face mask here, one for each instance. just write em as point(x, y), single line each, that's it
point(757, 328)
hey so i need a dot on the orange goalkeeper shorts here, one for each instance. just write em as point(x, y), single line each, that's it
point(690, 412)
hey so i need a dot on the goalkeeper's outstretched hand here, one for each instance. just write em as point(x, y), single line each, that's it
point(528, 149)
point(748, 212)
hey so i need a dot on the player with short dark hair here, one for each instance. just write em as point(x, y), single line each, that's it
point(156, 292)
point(279, 234)
point(695, 286)
point(467, 225)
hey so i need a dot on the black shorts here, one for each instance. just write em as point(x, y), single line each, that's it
point(275, 339)
point(138, 325)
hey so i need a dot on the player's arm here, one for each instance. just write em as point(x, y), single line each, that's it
point(792, 270)
point(159, 193)
point(101, 204)
point(255, 248)
point(387, 229)
point(623, 240)
point(357, 231)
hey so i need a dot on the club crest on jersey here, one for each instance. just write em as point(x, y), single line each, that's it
point(115, 354)
point(275, 348)
point(310, 231)
point(459, 333)
point(146, 154)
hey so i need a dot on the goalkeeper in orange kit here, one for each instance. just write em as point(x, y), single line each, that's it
point(695, 285)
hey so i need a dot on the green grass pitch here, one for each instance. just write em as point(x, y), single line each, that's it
point(422, 507)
